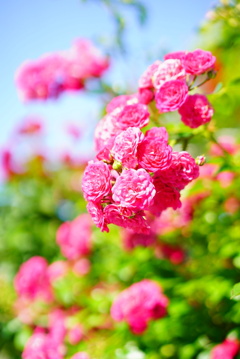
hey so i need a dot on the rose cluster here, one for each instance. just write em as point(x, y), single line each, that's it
point(140, 303)
point(56, 73)
point(134, 172)
point(169, 83)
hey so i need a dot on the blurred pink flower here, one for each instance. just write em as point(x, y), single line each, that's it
point(140, 303)
point(74, 238)
point(75, 334)
point(226, 350)
point(32, 280)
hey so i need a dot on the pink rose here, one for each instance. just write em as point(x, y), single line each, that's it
point(227, 350)
point(145, 80)
point(145, 95)
point(196, 111)
point(120, 101)
point(179, 55)
point(158, 132)
point(106, 130)
point(134, 189)
point(96, 212)
point(182, 171)
point(126, 218)
point(171, 95)
point(125, 147)
point(138, 304)
point(199, 61)
point(41, 345)
point(166, 196)
point(135, 115)
point(96, 181)
point(32, 279)
point(154, 153)
point(74, 238)
point(171, 69)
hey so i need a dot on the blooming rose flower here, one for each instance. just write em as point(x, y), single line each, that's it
point(199, 61)
point(145, 80)
point(134, 189)
point(74, 238)
point(105, 131)
point(32, 279)
point(96, 181)
point(171, 95)
point(154, 154)
point(175, 55)
point(125, 146)
point(182, 171)
point(166, 196)
point(138, 304)
point(158, 132)
point(171, 69)
point(120, 101)
point(126, 218)
point(135, 115)
point(227, 350)
point(96, 212)
point(196, 111)
point(145, 95)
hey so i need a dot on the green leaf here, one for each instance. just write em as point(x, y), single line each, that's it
point(235, 291)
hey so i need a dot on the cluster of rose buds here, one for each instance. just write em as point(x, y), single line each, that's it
point(227, 350)
point(140, 303)
point(53, 74)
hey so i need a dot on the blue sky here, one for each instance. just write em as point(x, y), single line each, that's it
point(32, 28)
